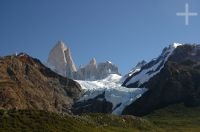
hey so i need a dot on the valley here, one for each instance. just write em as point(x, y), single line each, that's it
point(159, 96)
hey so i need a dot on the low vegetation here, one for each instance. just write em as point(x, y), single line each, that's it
point(31, 120)
point(175, 118)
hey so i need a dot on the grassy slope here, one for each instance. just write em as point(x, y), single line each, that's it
point(28, 120)
point(176, 118)
point(173, 118)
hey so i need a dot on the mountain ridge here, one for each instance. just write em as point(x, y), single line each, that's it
point(166, 75)
point(61, 61)
point(25, 83)
point(176, 82)
point(144, 71)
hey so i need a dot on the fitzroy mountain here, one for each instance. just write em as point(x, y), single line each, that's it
point(101, 83)
point(173, 77)
point(61, 61)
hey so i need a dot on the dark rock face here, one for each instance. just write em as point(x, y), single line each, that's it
point(25, 83)
point(178, 81)
point(95, 105)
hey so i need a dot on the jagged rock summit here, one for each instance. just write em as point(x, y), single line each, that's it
point(94, 71)
point(61, 61)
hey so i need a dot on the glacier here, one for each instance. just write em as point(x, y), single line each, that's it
point(118, 95)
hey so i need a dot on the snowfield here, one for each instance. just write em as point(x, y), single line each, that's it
point(118, 95)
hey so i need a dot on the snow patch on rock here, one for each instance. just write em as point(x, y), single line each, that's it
point(152, 68)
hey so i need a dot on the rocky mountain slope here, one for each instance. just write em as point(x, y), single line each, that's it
point(172, 78)
point(25, 83)
point(60, 60)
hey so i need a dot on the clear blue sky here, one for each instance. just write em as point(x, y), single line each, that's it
point(123, 31)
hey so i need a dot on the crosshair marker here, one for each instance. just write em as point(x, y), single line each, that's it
point(186, 14)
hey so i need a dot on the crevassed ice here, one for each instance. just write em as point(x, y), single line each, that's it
point(114, 92)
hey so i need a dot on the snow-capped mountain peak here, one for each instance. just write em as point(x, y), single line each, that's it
point(141, 74)
point(175, 45)
point(176, 80)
